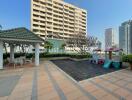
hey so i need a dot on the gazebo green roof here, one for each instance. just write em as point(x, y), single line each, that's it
point(20, 34)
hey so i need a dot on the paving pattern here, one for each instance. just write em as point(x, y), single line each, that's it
point(48, 82)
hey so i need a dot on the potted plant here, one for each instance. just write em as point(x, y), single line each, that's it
point(128, 58)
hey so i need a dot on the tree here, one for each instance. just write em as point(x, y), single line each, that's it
point(62, 47)
point(92, 41)
point(79, 43)
point(48, 45)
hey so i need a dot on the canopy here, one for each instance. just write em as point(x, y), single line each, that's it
point(97, 50)
point(113, 50)
point(19, 35)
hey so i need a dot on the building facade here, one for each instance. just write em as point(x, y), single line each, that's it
point(125, 37)
point(109, 38)
point(57, 19)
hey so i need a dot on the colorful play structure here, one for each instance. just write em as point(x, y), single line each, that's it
point(108, 60)
point(96, 57)
point(111, 62)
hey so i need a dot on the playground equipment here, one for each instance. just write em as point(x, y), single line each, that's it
point(96, 57)
point(109, 62)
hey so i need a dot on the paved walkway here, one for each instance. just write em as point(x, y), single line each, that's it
point(48, 82)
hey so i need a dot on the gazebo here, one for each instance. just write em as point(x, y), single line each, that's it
point(19, 36)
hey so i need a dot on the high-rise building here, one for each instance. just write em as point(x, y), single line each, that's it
point(125, 37)
point(57, 19)
point(109, 38)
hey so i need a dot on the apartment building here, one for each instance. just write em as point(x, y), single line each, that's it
point(109, 38)
point(125, 37)
point(57, 19)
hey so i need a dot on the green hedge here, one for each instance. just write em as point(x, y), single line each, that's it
point(16, 55)
point(43, 55)
point(46, 55)
point(127, 58)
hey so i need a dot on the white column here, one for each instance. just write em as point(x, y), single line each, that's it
point(11, 53)
point(1, 55)
point(37, 54)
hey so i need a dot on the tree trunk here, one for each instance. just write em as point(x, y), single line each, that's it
point(23, 49)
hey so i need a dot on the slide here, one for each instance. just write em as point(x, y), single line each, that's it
point(107, 64)
point(117, 64)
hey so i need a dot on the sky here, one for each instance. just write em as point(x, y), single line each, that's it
point(102, 14)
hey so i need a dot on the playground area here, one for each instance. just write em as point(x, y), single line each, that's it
point(81, 70)
point(112, 58)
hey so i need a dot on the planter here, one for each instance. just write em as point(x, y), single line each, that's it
point(125, 64)
point(128, 58)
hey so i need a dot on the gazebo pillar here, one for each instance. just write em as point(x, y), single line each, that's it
point(37, 54)
point(11, 53)
point(1, 54)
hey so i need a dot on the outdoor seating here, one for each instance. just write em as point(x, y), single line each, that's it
point(18, 61)
point(28, 60)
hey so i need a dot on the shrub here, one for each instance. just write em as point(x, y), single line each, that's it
point(30, 55)
point(16, 55)
point(6, 55)
point(43, 55)
point(128, 58)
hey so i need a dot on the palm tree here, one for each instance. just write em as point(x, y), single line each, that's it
point(48, 45)
point(63, 47)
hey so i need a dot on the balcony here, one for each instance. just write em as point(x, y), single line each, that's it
point(36, 13)
point(42, 29)
point(36, 7)
point(48, 29)
point(35, 2)
point(35, 22)
point(41, 19)
point(42, 24)
point(42, 9)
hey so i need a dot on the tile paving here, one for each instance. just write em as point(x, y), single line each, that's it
point(48, 82)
